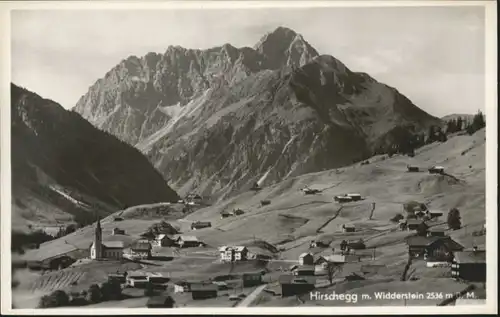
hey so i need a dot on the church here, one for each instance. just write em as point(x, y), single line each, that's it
point(104, 250)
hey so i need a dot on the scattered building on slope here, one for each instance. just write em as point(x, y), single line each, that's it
point(306, 259)
point(233, 253)
point(188, 242)
point(348, 228)
point(296, 285)
point(469, 265)
point(163, 240)
point(200, 225)
point(432, 248)
point(118, 231)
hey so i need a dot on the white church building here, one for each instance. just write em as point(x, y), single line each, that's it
point(105, 250)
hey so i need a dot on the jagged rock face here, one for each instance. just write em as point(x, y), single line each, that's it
point(220, 119)
point(53, 147)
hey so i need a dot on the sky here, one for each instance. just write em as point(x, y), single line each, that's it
point(433, 55)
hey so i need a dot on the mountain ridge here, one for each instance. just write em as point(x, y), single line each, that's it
point(332, 115)
point(63, 167)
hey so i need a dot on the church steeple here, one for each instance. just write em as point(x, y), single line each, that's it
point(98, 239)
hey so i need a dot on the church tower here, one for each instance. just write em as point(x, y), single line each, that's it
point(97, 252)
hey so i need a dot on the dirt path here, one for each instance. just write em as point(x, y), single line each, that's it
point(251, 297)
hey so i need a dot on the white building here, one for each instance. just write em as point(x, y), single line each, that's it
point(233, 253)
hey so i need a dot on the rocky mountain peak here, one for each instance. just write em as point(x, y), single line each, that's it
point(284, 47)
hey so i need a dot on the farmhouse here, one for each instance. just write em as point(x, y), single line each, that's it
point(182, 286)
point(188, 242)
point(432, 248)
point(320, 243)
point(203, 291)
point(436, 232)
point(225, 214)
point(117, 231)
point(104, 250)
point(118, 277)
point(433, 214)
point(295, 285)
point(413, 224)
point(354, 197)
point(238, 212)
point(251, 279)
point(413, 168)
point(163, 240)
point(343, 199)
point(137, 279)
point(469, 265)
point(265, 202)
point(436, 170)
point(233, 253)
point(306, 259)
point(200, 225)
point(304, 270)
point(161, 301)
point(140, 249)
point(348, 228)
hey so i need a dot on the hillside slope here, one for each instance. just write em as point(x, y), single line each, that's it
point(64, 167)
point(293, 219)
point(218, 120)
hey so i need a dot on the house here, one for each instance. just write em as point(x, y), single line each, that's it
point(436, 232)
point(141, 249)
point(238, 212)
point(156, 278)
point(304, 270)
point(296, 285)
point(348, 228)
point(118, 277)
point(137, 279)
point(162, 301)
point(117, 231)
point(413, 224)
point(188, 242)
point(200, 225)
point(306, 259)
point(182, 286)
point(320, 243)
point(469, 265)
point(256, 187)
point(265, 202)
point(436, 170)
point(225, 214)
point(342, 199)
point(354, 197)
point(356, 245)
point(203, 291)
point(432, 248)
point(194, 198)
point(433, 214)
point(163, 240)
point(233, 253)
point(117, 219)
point(413, 168)
point(251, 279)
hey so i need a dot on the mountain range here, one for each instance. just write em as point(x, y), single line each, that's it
point(63, 168)
point(219, 120)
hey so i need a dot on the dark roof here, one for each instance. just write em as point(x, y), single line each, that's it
point(201, 223)
point(470, 256)
point(414, 222)
point(113, 244)
point(418, 241)
point(201, 287)
point(159, 300)
point(305, 268)
point(141, 246)
point(291, 279)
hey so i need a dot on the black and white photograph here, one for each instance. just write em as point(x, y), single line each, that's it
point(308, 157)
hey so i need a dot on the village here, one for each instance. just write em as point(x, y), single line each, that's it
point(261, 250)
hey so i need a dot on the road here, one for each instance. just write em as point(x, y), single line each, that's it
point(251, 297)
